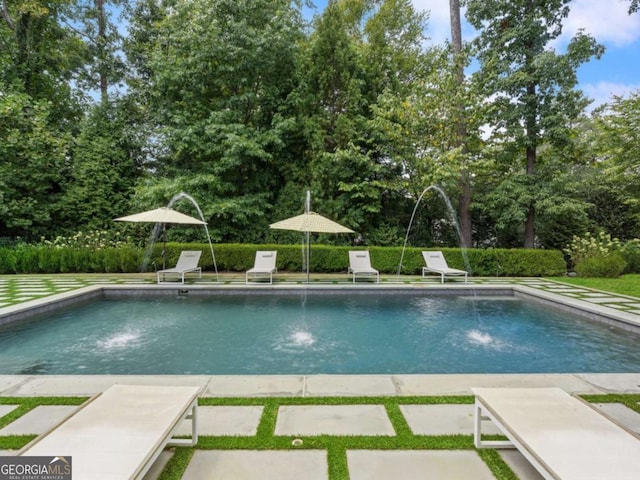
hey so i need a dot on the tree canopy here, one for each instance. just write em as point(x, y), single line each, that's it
point(246, 104)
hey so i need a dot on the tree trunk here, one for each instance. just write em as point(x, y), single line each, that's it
point(464, 199)
point(102, 45)
point(532, 140)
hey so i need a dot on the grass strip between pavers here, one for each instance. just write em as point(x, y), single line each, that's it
point(335, 446)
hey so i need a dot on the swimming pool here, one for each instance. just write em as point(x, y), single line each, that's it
point(373, 333)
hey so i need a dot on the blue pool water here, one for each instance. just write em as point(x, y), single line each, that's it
point(293, 334)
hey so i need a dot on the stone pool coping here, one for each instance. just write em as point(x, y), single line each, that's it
point(246, 386)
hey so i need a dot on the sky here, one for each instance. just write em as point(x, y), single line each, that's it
point(618, 70)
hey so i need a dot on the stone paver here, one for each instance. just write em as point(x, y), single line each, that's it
point(225, 421)
point(442, 384)
point(442, 420)
point(156, 469)
point(255, 385)
point(4, 409)
point(349, 385)
point(87, 385)
point(417, 464)
point(613, 382)
point(520, 465)
point(38, 420)
point(333, 420)
point(608, 299)
point(621, 414)
point(257, 465)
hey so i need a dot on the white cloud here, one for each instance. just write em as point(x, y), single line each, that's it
point(603, 92)
point(608, 21)
point(439, 26)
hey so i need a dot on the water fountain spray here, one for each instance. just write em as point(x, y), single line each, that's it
point(182, 195)
point(452, 217)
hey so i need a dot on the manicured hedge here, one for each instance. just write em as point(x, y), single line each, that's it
point(240, 257)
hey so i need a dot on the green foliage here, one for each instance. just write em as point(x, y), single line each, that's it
point(332, 259)
point(631, 253)
point(589, 247)
point(33, 156)
point(601, 255)
point(531, 86)
point(50, 259)
point(245, 106)
point(608, 266)
point(240, 257)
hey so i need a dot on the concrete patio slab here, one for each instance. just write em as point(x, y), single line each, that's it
point(7, 453)
point(621, 414)
point(7, 382)
point(255, 386)
point(442, 419)
point(566, 290)
point(348, 385)
point(613, 382)
point(461, 384)
point(4, 409)
point(156, 469)
point(87, 385)
point(333, 420)
point(417, 464)
point(520, 465)
point(257, 465)
point(225, 421)
point(38, 420)
point(609, 300)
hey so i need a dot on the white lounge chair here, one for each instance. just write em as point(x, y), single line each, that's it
point(436, 263)
point(120, 433)
point(264, 264)
point(188, 262)
point(360, 264)
point(562, 436)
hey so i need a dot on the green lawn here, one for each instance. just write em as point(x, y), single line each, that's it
point(624, 285)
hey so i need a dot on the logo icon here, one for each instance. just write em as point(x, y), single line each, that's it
point(35, 468)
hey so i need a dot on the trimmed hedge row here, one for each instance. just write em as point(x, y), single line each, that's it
point(240, 257)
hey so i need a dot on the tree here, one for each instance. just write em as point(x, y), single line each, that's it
point(107, 163)
point(219, 76)
point(33, 166)
point(422, 137)
point(359, 53)
point(464, 198)
point(615, 152)
point(91, 20)
point(42, 57)
point(531, 87)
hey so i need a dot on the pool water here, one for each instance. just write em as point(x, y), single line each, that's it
point(299, 334)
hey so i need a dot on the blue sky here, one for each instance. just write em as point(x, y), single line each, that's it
point(616, 73)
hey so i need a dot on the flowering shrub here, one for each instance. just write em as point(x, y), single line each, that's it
point(596, 255)
point(92, 240)
point(600, 245)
